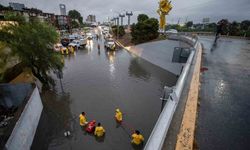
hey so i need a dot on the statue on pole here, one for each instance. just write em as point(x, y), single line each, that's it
point(164, 8)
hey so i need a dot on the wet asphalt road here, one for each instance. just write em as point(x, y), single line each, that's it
point(98, 83)
point(223, 120)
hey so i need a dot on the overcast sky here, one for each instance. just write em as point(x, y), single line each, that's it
point(182, 9)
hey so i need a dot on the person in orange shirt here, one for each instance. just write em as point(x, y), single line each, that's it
point(137, 138)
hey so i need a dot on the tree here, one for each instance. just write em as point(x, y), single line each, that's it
point(234, 28)
point(121, 30)
point(32, 43)
point(74, 14)
point(74, 24)
point(245, 25)
point(189, 24)
point(145, 29)
point(142, 17)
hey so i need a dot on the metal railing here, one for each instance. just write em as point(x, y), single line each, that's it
point(158, 135)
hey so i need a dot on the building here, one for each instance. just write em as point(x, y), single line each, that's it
point(63, 22)
point(59, 21)
point(62, 9)
point(91, 18)
point(17, 6)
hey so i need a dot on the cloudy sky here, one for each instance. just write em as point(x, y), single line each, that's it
point(183, 10)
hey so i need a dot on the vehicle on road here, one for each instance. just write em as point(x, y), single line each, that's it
point(75, 44)
point(89, 36)
point(171, 31)
point(110, 44)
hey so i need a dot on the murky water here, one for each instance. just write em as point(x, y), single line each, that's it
point(98, 82)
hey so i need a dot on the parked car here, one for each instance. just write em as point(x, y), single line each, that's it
point(110, 44)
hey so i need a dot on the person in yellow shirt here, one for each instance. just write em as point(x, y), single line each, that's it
point(82, 119)
point(137, 138)
point(99, 130)
point(118, 115)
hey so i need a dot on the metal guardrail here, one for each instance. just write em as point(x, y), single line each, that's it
point(158, 135)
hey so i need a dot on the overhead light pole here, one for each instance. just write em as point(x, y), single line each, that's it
point(129, 14)
point(122, 16)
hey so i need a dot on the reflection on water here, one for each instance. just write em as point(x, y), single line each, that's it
point(89, 45)
point(98, 84)
point(55, 120)
point(136, 70)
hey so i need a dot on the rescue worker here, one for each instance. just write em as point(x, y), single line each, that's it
point(137, 138)
point(82, 119)
point(118, 115)
point(99, 130)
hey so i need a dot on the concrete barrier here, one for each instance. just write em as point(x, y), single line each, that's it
point(158, 135)
point(23, 133)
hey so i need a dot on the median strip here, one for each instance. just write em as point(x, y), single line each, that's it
point(185, 137)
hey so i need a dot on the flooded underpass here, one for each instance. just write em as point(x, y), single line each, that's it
point(98, 82)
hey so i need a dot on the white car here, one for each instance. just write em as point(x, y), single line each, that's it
point(171, 31)
point(89, 36)
point(75, 43)
point(110, 44)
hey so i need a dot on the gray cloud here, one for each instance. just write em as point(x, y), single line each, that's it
point(185, 10)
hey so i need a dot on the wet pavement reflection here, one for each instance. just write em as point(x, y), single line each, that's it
point(98, 82)
point(223, 120)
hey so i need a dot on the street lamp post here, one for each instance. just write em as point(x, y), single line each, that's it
point(122, 16)
point(117, 34)
point(129, 14)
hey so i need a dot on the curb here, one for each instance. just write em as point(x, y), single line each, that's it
point(185, 138)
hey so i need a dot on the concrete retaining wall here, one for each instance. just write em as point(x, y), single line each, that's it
point(23, 133)
point(160, 130)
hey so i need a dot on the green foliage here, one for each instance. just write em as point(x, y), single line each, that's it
point(32, 43)
point(75, 24)
point(121, 30)
point(145, 30)
point(14, 17)
point(233, 29)
point(245, 25)
point(189, 24)
point(142, 17)
point(74, 14)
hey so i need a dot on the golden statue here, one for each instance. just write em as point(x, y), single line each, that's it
point(163, 10)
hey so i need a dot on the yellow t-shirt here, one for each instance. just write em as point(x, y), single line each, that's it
point(118, 116)
point(99, 131)
point(82, 120)
point(137, 139)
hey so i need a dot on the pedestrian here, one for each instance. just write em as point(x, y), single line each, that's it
point(98, 46)
point(82, 119)
point(118, 115)
point(137, 138)
point(99, 130)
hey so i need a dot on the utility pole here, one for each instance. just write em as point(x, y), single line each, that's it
point(122, 16)
point(117, 34)
point(129, 14)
